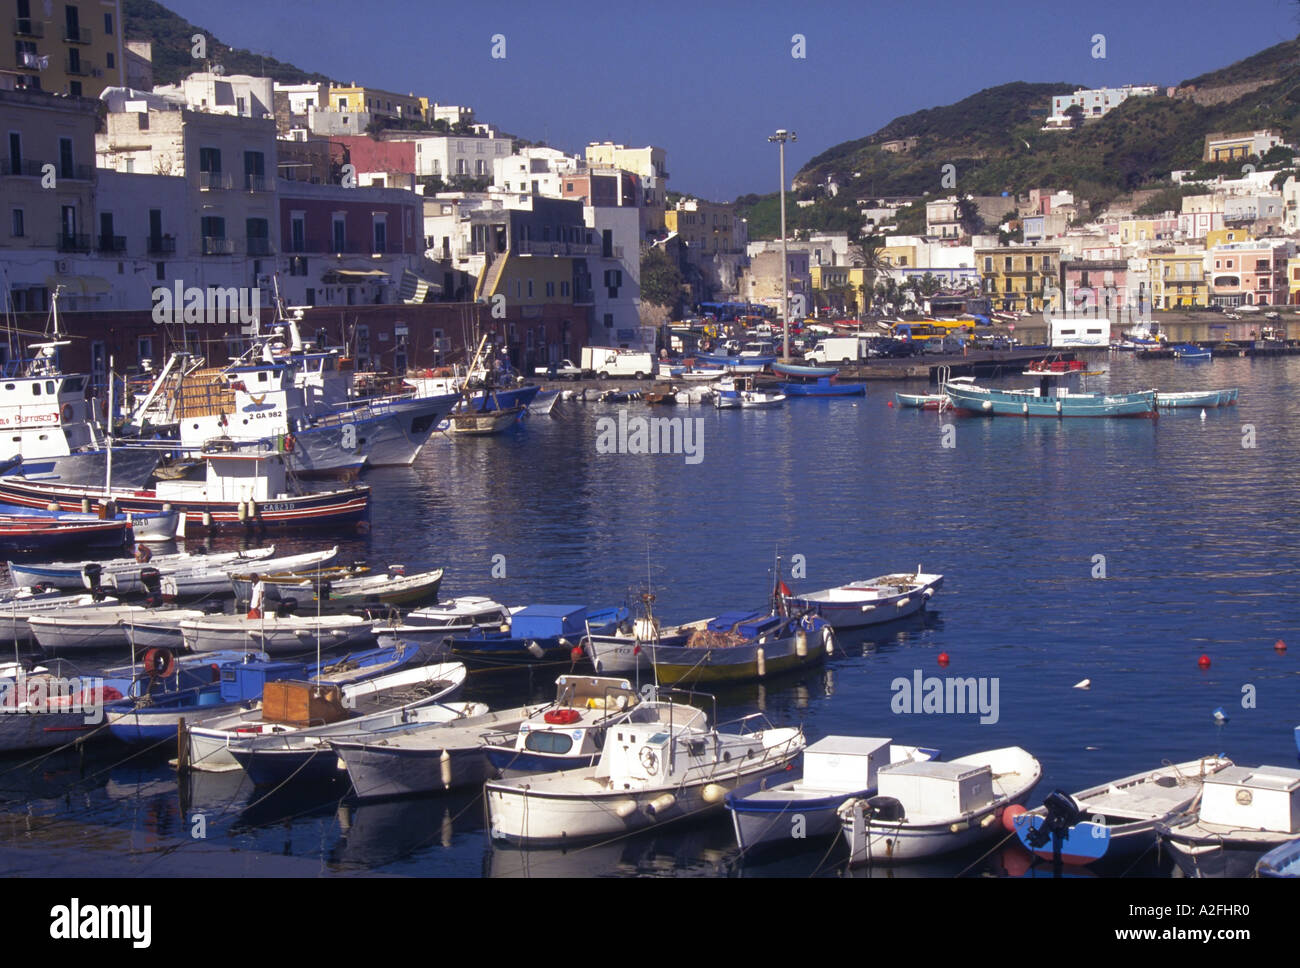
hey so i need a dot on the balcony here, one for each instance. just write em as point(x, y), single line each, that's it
point(259, 183)
point(24, 168)
point(258, 246)
point(76, 35)
point(27, 27)
point(214, 181)
point(218, 246)
point(71, 242)
point(164, 245)
point(110, 243)
point(77, 172)
point(78, 67)
point(533, 247)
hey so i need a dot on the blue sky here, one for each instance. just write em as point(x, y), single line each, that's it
point(710, 81)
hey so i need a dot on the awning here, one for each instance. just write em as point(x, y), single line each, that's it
point(415, 289)
point(354, 275)
point(79, 285)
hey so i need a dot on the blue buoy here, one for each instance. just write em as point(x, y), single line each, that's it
point(1220, 716)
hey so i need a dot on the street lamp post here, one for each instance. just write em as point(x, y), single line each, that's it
point(781, 137)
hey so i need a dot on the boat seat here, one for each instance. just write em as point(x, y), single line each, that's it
point(1148, 802)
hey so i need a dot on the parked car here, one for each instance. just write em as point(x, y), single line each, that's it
point(563, 370)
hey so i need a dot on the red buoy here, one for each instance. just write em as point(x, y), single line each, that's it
point(1279, 646)
point(889, 403)
point(1203, 662)
point(943, 658)
point(575, 653)
point(1009, 817)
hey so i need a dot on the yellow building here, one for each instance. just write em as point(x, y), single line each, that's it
point(1146, 229)
point(853, 284)
point(706, 227)
point(528, 280)
point(1015, 277)
point(385, 104)
point(1178, 280)
point(1293, 280)
point(65, 48)
point(902, 256)
point(1224, 236)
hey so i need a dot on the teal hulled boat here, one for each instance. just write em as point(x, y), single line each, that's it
point(1051, 398)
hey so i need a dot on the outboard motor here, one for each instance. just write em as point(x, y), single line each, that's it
point(1062, 813)
point(886, 809)
point(92, 573)
point(151, 579)
point(325, 589)
point(286, 607)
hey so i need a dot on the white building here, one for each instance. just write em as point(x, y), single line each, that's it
point(240, 94)
point(304, 96)
point(450, 155)
point(1094, 103)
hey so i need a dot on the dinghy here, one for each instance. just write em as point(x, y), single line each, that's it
point(71, 574)
point(14, 614)
point(90, 629)
point(1244, 812)
point(392, 588)
point(835, 768)
point(871, 601)
point(741, 393)
point(1283, 861)
point(1116, 822)
point(663, 763)
point(202, 581)
point(925, 809)
point(290, 705)
point(276, 634)
point(740, 647)
point(1197, 399)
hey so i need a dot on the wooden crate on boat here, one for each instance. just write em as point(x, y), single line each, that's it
point(204, 393)
point(302, 704)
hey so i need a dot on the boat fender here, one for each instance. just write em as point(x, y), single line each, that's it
point(1058, 408)
point(85, 505)
point(288, 443)
point(1024, 407)
point(661, 803)
point(252, 508)
point(828, 640)
point(868, 608)
point(52, 506)
point(713, 793)
point(928, 593)
point(625, 809)
point(535, 650)
point(902, 602)
point(762, 664)
point(801, 644)
point(1009, 816)
point(207, 519)
point(444, 769)
point(989, 821)
point(987, 405)
point(243, 511)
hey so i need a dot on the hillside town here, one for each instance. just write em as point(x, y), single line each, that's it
point(393, 219)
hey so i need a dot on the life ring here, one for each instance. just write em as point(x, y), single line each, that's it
point(288, 443)
point(160, 663)
point(67, 413)
point(649, 759)
point(562, 717)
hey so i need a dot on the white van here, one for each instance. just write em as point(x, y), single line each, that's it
point(607, 361)
point(837, 349)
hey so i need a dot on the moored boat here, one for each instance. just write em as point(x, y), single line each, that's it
point(871, 601)
point(1198, 399)
point(925, 809)
point(1049, 399)
point(740, 393)
point(276, 634)
point(739, 647)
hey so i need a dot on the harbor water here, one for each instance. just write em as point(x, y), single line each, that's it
point(1113, 551)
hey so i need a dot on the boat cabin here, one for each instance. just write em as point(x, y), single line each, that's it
point(237, 476)
point(844, 763)
point(930, 790)
point(1253, 798)
point(43, 413)
point(657, 740)
point(549, 622)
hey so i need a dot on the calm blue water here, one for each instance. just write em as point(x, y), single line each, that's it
point(1200, 556)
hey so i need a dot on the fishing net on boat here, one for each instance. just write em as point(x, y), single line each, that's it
point(707, 639)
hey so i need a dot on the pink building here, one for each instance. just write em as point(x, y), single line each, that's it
point(1096, 286)
point(367, 154)
point(1250, 273)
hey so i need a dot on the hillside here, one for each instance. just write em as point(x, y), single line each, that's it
point(170, 34)
point(994, 141)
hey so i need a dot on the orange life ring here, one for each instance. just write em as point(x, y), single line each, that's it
point(288, 443)
point(159, 663)
point(67, 413)
point(562, 717)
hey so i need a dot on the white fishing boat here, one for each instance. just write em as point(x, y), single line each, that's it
point(1116, 821)
point(871, 601)
point(427, 759)
point(276, 634)
point(159, 629)
point(694, 395)
point(835, 768)
point(663, 763)
point(91, 629)
point(290, 706)
point(543, 403)
point(15, 613)
point(394, 587)
point(72, 574)
point(435, 624)
point(1244, 812)
point(741, 393)
point(203, 580)
point(925, 809)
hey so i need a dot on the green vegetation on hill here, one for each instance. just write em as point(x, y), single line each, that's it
point(171, 36)
point(1268, 63)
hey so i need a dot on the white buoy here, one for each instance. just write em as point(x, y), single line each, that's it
point(828, 639)
point(801, 644)
point(1083, 684)
point(762, 664)
point(535, 650)
point(1202, 413)
point(444, 767)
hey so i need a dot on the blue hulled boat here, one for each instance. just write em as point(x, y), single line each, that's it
point(1051, 398)
point(536, 633)
point(822, 386)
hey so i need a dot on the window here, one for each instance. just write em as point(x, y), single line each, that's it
point(340, 232)
point(1007, 266)
point(530, 288)
point(380, 235)
point(550, 290)
point(66, 167)
point(18, 229)
point(108, 25)
point(297, 231)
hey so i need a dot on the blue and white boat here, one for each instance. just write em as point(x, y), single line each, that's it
point(1190, 351)
point(800, 370)
point(872, 601)
point(803, 807)
point(567, 734)
point(1116, 822)
point(741, 393)
point(1283, 861)
point(822, 386)
point(1196, 399)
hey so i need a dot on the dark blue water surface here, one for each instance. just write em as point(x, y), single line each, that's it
point(1195, 530)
